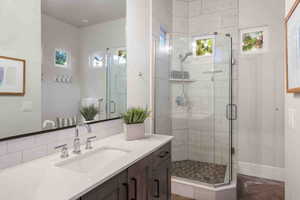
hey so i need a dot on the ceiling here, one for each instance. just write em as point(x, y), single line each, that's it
point(82, 13)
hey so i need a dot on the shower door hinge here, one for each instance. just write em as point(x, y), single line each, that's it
point(232, 150)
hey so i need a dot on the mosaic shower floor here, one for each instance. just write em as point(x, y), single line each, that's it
point(199, 171)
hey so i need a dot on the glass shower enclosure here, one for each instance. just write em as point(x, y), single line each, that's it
point(199, 113)
point(116, 81)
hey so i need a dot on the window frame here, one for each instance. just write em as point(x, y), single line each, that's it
point(204, 37)
point(265, 33)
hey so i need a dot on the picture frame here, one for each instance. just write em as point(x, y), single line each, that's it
point(292, 49)
point(62, 58)
point(12, 76)
point(254, 40)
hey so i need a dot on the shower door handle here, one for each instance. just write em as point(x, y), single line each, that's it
point(234, 111)
point(231, 111)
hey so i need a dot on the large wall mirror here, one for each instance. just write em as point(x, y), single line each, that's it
point(82, 68)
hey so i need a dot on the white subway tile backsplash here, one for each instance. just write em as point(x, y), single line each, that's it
point(34, 153)
point(16, 151)
point(10, 160)
point(3, 148)
point(46, 138)
point(20, 144)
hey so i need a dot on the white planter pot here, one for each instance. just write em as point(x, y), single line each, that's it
point(134, 131)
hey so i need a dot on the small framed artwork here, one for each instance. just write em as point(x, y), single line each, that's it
point(12, 76)
point(254, 40)
point(292, 49)
point(203, 46)
point(61, 58)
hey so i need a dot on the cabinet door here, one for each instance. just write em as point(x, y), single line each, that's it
point(139, 177)
point(162, 181)
point(114, 189)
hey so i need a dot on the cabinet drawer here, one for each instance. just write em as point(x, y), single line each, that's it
point(162, 154)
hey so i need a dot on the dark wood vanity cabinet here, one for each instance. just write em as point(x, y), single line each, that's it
point(113, 189)
point(161, 173)
point(139, 177)
point(162, 181)
point(147, 179)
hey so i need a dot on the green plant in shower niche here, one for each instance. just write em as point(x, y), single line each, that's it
point(135, 115)
point(204, 47)
point(89, 112)
point(252, 41)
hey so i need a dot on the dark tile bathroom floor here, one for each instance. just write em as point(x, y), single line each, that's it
point(199, 171)
point(253, 188)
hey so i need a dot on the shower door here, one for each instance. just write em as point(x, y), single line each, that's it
point(116, 96)
point(202, 128)
point(223, 107)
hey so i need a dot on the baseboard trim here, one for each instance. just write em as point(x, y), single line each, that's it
point(262, 171)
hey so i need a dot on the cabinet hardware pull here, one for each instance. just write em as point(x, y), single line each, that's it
point(126, 188)
point(162, 155)
point(135, 188)
point(157, 188)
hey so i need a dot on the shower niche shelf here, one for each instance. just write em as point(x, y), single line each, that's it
point(182, 80)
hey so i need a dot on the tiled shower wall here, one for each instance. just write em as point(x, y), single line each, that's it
point(193, 127)
point(17, 151)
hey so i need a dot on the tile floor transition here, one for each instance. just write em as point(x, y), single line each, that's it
point(177, 197)
point(253, 188)
point(199, 171)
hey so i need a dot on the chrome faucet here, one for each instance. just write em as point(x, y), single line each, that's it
point(76, 143)
point(64, 150)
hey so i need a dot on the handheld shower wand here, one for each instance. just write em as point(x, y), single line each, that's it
point(182, 100)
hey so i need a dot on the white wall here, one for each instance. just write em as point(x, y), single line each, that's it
point(59, 99)
point(292, 141)
point(261, 88)
point(21, 21)
point(138, 39)
point(162, 18)
point(94, 39)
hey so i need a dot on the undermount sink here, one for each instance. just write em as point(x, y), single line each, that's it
point(91, 161)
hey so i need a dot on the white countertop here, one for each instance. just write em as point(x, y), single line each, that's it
point(42, 180)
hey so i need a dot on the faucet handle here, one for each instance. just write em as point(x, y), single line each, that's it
point(89, 142)
point(64, 150)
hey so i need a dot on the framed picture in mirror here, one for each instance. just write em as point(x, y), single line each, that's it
point(292, 49)
point(12, 76)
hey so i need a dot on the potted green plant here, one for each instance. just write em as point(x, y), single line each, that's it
point(134, 126)
point(89, 112)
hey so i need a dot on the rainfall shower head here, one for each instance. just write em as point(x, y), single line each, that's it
point(184, 57)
